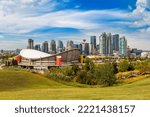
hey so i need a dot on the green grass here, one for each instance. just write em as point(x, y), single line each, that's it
point(25, 85)
point(12, 80)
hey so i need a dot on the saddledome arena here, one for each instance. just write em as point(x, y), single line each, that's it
point(34, 59)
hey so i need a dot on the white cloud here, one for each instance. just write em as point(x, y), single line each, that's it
point(15, 23)
point(23, 16)
point(19, 16)
point(141, 14)
point(26, 7)
point(143, 3)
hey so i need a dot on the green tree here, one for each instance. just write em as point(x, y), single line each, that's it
point(105, 74)
point(90, 79)
point(123, 66)
point(131, 67)
point(82, 77)
point(145, 67)
point(75, 69)
point(89, 65)
point(68, 71)
point(14, 62)
point(115, 65)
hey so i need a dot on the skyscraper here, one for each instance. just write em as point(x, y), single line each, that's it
point(53, 47)
point(80, 47)
point(30, 44)
point(109, 49)
point(38, 47)
point(102, 43)
point(115, 42)
point(17, 51)
point(123, 46)
point(69, 45)
point(75, 46)
point(60, 46)
point(92, 49)
point(45, 47)
point(105, 44)
point(85, 47)
point(93, 41)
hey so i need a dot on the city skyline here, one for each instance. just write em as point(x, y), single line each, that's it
point(73, 20)
point(108, 45)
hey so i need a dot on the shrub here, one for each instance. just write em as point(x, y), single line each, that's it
point(105, 74)
point(58, 74)
point(68, 71)
point(81, 77)
point(138, 65)
point(145, 67)
point(84, 77)
point(115, 67)
point(123, 66)
point(89, 65)
point(75, 69)
point(90, 79)
point(131, 67)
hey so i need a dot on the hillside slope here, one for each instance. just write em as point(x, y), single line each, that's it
point(25, 85)
point(17, 80)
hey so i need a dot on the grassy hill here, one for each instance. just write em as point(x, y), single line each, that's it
point(12, 80)
point(23, 84)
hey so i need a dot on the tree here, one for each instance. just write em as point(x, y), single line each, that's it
point(14, 62)
point(123, 66)
point(90, 79)
point(131, 67)
point(85, 77)
point(145, 67)
point(105, 74)
point(89, 65)
point(81, 77)
point(115, 67)
point(75, 69)
point(68, 71)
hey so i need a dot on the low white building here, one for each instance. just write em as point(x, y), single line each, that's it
point(145, 54)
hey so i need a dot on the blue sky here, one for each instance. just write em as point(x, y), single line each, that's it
point(103, 4)
point(44, 20)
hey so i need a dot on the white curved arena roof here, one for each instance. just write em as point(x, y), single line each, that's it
point(33, 54)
